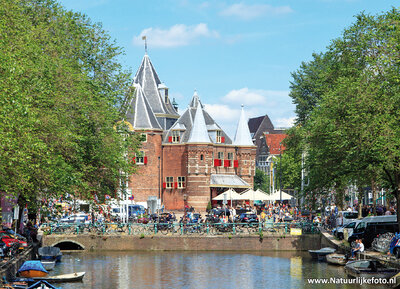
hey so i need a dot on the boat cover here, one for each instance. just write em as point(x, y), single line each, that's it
point(49, 251)
point(32, 265)
point(40, 283)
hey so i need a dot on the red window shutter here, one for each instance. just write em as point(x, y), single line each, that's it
point(183, 184)
point(227, 163)
point(236, 163)
point(222, 139)
point(134, 160)
point(164, 185)
point(220, 163)
point(176, 185)
point(216, 162)
point(170, 139)
point(145, 160)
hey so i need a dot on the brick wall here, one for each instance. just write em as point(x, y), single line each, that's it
point(145, 182)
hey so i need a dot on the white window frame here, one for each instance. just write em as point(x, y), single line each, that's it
point(181, 182)
point(139, 158)
point(169, 182)
point(176, 136)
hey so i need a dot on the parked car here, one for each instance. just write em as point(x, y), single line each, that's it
point(22, 244)
point(370, 227)
point(248, 218)
point(76, 218)
point(339, 231)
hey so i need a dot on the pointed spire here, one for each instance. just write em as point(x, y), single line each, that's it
point(140, 114)
point(242, 136)
point(148, 79)
point(195, 100)
point(199, 133)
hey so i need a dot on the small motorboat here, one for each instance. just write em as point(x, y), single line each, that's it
point(72, 277)
point(320, 254)
point(369, 269)
point(32, 269)
point(336, 259)
point(50, 253)
point(48, 264)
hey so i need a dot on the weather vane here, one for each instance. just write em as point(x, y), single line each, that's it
point(145, 43)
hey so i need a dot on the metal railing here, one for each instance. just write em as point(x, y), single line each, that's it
point(176, 228)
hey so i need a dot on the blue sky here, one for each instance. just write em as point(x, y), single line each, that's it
point(232, 52)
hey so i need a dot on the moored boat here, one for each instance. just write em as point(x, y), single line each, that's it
point(50, 253)
point(48, 264)
point(42, 284)
point(32, 269)
point(72, 277)
point(336, 259)
point(321, 253)
point(369, 269)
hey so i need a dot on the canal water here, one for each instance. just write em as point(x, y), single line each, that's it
point(198, 270)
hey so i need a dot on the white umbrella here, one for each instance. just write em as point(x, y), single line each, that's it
point(277, 196)
point(230, 195)
point(255, 195)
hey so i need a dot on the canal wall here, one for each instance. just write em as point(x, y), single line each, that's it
point(9, 269)
point(192, 243)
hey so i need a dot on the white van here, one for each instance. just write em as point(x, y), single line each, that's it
point(345, 217)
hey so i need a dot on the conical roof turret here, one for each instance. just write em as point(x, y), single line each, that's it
point(199, 133)
point(148, 79)
point(242, 136)
point(139, 112)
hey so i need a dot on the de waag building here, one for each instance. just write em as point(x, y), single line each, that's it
point(184, 160)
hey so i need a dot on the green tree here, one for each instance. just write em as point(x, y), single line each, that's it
point(61, 87)
point(261, 181)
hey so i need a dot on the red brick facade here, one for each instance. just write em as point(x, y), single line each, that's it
point(194, 162)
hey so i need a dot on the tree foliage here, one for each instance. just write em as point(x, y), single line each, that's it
point(61, 85)
point(350, 120)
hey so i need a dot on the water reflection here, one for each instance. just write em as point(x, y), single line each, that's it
point(197, 270)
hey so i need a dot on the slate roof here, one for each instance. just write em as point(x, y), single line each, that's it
point(185, 122)
point(148, 79)
point(264, 121)
point(242, 136)
point(139, 112)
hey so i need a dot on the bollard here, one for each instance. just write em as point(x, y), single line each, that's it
point(155, 228)
point(129, 229)
point(259, 227)
point(77, 230)
point(285, 228)
point(208, 230)
point(234, 229)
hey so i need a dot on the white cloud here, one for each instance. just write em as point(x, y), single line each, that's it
point(177, 35)
point(284, 122)
point(257, 102)
point(250, 97)
point(248, 12)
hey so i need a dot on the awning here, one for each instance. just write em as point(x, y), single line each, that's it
point(227, 181)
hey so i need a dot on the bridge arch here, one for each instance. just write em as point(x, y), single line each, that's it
point(67, 244)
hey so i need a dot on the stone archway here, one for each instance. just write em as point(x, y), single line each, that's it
point(68, 245)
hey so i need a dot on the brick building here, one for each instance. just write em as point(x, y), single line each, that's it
point(187, 159)
point(267, 139)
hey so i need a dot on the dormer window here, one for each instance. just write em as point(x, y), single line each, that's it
point(219, 138)
point(176, 136)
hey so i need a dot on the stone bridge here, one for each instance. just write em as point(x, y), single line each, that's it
point(179, 243)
